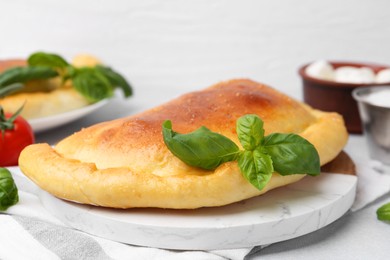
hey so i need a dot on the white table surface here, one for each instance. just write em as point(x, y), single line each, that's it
point(357, 235)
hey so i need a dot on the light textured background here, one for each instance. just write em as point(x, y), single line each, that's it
point(182, 45)
point(188, 45)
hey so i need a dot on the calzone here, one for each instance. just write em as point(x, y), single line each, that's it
point(124, 163)
point(47, 97)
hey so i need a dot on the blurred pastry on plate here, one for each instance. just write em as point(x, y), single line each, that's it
point(53, 86)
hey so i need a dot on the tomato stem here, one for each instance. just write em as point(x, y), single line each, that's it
point(8, 123)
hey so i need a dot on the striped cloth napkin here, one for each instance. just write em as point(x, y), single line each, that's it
point(28, 231)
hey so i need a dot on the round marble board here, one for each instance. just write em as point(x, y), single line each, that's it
point(278, 215)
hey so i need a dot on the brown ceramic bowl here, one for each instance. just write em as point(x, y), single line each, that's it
point(336, 96)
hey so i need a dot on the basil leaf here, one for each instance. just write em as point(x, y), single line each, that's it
point(292, 154)
point(47, 60)
point(116, 79)
point(23, 74)
point(256, 167)
point(6, 90)
point(383, 213)
point(92, 84)
point(250, 131)
point(201, 148)
point(8, 190)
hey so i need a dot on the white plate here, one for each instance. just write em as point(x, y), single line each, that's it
point(49, 122)
point(281, 214)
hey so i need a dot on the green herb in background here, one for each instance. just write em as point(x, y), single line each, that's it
point(84, 78)
point(383, 213)
point(94, 83)
point(262, 155)
point(8, 190)
point(47, 60)
point(115, 79)
point(23, 74)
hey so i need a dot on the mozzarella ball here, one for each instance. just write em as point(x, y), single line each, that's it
point(383, 76)
point(320, 69)
point(349, 74)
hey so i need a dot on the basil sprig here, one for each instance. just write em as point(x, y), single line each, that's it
point(94, 83)
point(8, 190)
point(383, 213)
point(262, 155)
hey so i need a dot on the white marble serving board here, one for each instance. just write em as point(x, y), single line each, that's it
point(281, 214)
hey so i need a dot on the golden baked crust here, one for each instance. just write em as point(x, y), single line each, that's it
point(124, 163)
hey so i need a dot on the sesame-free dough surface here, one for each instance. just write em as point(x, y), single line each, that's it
point(42, 104)
point(124, 163)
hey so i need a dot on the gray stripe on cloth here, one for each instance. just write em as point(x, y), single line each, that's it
point(281, 250)
point(65, 242)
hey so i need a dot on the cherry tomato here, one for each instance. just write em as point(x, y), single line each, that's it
point(12, 141)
